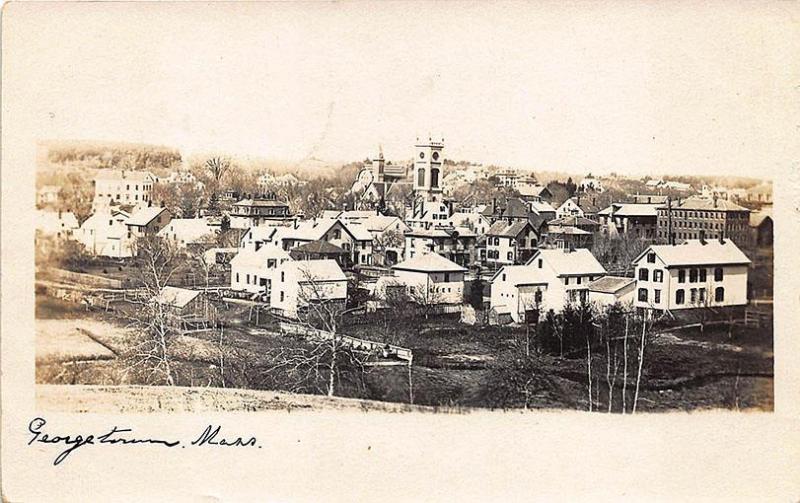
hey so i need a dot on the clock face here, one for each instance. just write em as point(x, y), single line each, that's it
point(422, 155)
point(436, 156)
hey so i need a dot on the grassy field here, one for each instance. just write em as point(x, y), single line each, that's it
point(454, 365)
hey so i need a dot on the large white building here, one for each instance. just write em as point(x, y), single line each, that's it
point(694, 274)
point(431, 279)
point(252, 271)
point(549, 280)
point(184, 231)
point(120, 186)
point(105, 233)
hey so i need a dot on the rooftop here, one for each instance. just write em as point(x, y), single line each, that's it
point(610, 284)
point(429, 262)
point(175, 297)
point(702, 203)
point(145, 215)
point(569, 262)
point(694, 252)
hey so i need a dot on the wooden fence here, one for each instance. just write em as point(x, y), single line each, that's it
point(386, 350)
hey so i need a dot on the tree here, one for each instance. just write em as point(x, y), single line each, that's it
point(217, 167)
point(155, 330)
point(476, 292)
point(426, 295)
point(571, 187)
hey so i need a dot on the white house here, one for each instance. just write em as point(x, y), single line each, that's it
point(569, 208)
point(252, 271)
point(549, 280)
point(694, 274)
point(105, 233)
point(297, 283)
point(431, 279)
point(611, 290)
point(472, 220)
point(183, 231)
point(590, 184)
point(57, 224)
point(122, 187)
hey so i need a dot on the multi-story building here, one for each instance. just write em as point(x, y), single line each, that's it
point(251, 212)
point(431, 279)
point(122, 187)
point(697, 217)
point(456, 244)
point(510, 242)
point(630, 219)
point(694, 274)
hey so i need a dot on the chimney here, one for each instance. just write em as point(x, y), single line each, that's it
point(721, 239)
point(715, 200)
point(494, 205)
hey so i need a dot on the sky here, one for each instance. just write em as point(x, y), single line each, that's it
point(630, 87)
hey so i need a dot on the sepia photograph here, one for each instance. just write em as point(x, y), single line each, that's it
point(413, 211)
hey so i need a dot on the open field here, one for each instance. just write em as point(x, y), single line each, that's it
point(455, 366)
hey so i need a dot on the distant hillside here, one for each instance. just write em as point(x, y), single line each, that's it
point(103, 154)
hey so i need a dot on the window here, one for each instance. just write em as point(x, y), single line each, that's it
point(503, 277)
point(643, 295)
point(680, 296)
point(511, 256)
point(719, 294)
point(337, 234)
point(566, 280)
point(692, 275)
point(693, 296)
point(237, 277)
point(658, 276)
point(681, 276)
point(537, 296)
point(656, 296)
point(718, 274)
point(579, 280)
point(434, 177)
point(421, 176)
point(283, 276)
point(282, 296)
point(644, 274)
point(651, 258)
point(702, 275)
point(701, 295)
point(540, 263)
point(248, 279)
point(447, 277)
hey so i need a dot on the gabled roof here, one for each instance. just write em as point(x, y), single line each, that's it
point(175, 297)
point(504, 229)
point(758, 217)
point(145, 215)
point(569, 262)
point(515, 208)
point(631, 210)
point(188, 229)
point(542, 207)
point(610, 284)
point(258, 258)
point(429, 262)
point(521, 275)
point(693, 252)
point(320, 247)
point(316, 270)
point(575, 231)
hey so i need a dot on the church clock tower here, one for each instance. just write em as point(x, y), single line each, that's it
point(428, 161)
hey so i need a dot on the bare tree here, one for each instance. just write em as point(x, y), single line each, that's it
point(426, 295)
point(217, 167)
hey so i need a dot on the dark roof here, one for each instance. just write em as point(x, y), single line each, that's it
point(573, 221)
point(516, 208)
point(610, 284)
point(504, 229)
point(559, 192)
point(320, 247)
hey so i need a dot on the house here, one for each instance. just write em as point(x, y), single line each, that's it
point(318, 250)
point(694, 274)
point(352, 237)
point(549, 280)
point(456, 244)
point(471, 220)
point(252, 271)
point(185, 231)
point(147, 221)
point(610, 290)
point(633, 220)
point(534, 192)
point(105, 233)
point(761, 227)
point(219, 255)
point(251, 212)
point(572, 232)
point(510, 242)
point(507, 178)
point(47, 195)
point(183, 306)
point(56, 224)
point(387, 232)
point(115, 187)
point(570, 208)
point(698, 217)
point(298, 283)
point(431, 279)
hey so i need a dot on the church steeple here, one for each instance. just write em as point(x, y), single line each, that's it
point(378, 165)
point(428, 169)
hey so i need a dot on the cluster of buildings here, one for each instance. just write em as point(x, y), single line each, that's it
point(534, 246)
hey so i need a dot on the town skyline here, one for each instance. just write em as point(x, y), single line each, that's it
point(629, 101)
